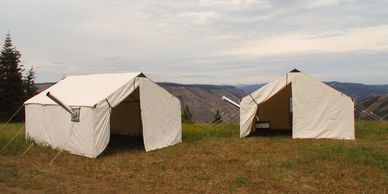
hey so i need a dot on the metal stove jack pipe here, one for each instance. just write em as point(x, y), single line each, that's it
point(60, 103)
point(230, 101)
point(233, 103)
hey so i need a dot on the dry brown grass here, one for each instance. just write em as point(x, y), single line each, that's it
point(208, 163)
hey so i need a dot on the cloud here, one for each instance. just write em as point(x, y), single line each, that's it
point(200, 18)
point(201, 41)
point(368, 38)
point(321, 3)
point(235, 4)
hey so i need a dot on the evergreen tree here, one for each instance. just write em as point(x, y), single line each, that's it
point(11, 81)
point(29, 84)
point(217, 117)
point(186, 115)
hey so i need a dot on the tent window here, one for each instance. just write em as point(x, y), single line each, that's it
point(75, 117)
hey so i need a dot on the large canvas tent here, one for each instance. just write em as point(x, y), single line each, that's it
point(298, 102)
point(122, 103)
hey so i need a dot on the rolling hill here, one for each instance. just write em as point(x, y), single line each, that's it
point(375, 106)
point(204, 100)
point(359, 91)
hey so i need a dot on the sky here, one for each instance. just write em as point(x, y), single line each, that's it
point(201, 41)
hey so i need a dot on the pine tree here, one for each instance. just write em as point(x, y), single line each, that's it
point(29, 84)
point(11, 81)
point(217, 117)
point(186, 115)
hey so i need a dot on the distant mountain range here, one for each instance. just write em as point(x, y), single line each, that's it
point(204, 100)
point(249, 88)
point(359, 91)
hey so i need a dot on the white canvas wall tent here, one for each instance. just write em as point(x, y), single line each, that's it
point(122, 103)
point(298, 102)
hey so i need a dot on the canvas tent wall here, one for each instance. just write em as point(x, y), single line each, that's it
point(125, 103)
point(299, 102)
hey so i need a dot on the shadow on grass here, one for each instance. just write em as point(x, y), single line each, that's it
point(123, 143)
point(272, 132)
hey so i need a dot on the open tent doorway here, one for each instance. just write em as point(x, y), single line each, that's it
point(296, 101)
point(126, 125)
point(274, 116)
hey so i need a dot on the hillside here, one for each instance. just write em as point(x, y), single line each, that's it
point(249, 88)
point(204, 100)
point(43, 86)
point(377, 105)
point(359, 91)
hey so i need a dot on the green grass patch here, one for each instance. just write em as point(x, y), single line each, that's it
point(192, 132)
point(12, 136)
point(376, 131)
point(240, 180)
point(355, 155)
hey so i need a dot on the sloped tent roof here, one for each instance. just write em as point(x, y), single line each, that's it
point(97, 94)
point(319, 111)
point(85, 90)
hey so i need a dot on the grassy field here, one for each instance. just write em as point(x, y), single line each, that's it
point(210, 160)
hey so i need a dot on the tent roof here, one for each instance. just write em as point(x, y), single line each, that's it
point(84, 90)
point(268, 90)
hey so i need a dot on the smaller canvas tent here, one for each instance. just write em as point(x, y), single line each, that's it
point(299, 102)
point(123, 103)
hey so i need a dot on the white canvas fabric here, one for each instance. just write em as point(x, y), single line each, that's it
point(96, 95)
point(319, 111)
point(157, 120)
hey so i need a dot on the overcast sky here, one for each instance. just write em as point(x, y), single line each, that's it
point(202, 41)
